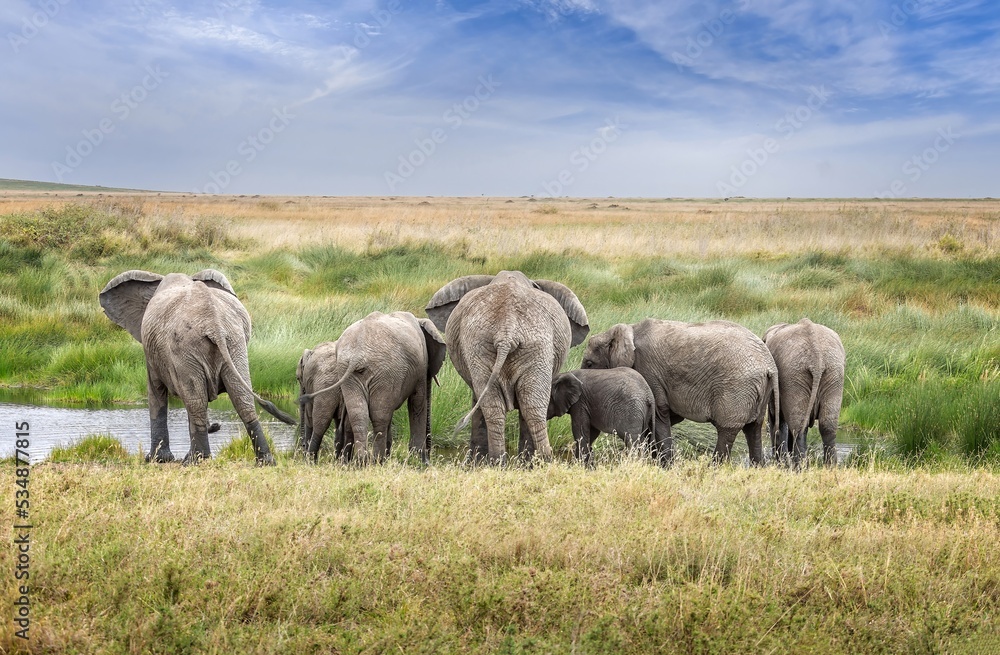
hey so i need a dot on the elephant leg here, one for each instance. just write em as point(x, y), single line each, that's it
point(479, 442)
point(244, 406)
point(418, 408)
point(197, 411)
point(381, 437)
point(538, 428)
point(724, 443)
point(305, 423)
point(780, 442)
point(159, 439)
point(828, 430)
point(357, 414)
point(582, 442)
point(753, 431)
point(495, 419)
point(525, 444)
point(663, 441)
point(344, 436)
point(799, 448)
point(321, 417)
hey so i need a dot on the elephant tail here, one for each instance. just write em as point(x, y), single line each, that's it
point(266, 404)
point(817, 376)
point(774, 406)
point(503, 349)
point(306, 397)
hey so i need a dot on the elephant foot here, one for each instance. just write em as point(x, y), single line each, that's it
point(421, 454)
point(161, 457)
point(267, 460)
point(194, 457)
point(215, 427)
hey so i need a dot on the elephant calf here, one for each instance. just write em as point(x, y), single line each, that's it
point(378, 363)
point(811, 361)
point(315, 371)
point(616, 400)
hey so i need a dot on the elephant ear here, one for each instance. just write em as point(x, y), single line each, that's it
point(435, 346)
point(125, 297)
point(300, 370)
point(214, 279)
point(571, 305)
point(447, 297)
point(621, 345)
point(566, 391)
point(774, 329)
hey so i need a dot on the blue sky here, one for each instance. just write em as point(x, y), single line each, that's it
point(764, 98)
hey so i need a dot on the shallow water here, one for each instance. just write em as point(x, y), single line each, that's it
point(61, 426)
point(51, 426)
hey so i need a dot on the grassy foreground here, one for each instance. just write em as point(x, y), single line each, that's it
point(225, 558)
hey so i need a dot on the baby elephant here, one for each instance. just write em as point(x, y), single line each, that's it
point(810, 359)
point(613, 400)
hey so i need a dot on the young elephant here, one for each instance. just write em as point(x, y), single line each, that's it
point(316, 371)
point(616, 400)
point(382, 361)
point(811, 361)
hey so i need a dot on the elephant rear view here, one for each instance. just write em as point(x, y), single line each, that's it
point(508, 336)
point(811, 363)
point(377, 364)
point(716, 372)
point(194, 332)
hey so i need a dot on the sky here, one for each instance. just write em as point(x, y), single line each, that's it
point(585, 98)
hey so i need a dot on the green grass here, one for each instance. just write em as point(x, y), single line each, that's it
point(93, 449)
point(922, 329)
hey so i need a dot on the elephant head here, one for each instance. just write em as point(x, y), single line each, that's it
point(447, 298)
point(611, 349)
point(566, 391)
point(126, 296)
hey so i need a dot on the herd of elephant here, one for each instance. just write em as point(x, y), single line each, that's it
point(508, 337)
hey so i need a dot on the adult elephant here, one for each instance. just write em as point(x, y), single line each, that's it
point(194, 332)
point(811, 362)
point(380, 362)
point(716, 372)
point(508, 336)
point(316, 370)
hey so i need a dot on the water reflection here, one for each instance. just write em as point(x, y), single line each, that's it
point(61, 426)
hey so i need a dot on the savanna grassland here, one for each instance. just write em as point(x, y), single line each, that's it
point(898, 550)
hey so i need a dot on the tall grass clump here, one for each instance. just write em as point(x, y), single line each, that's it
point(92, 449)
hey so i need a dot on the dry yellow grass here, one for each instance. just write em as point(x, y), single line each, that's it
point(628, 558)
point(607, 227)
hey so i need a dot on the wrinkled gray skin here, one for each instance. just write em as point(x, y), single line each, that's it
point(194, 332)
point(381, 361)
point(811, 361)
point(615, 400)
point(716, 372)
point(508, 336)
point(316, 371)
